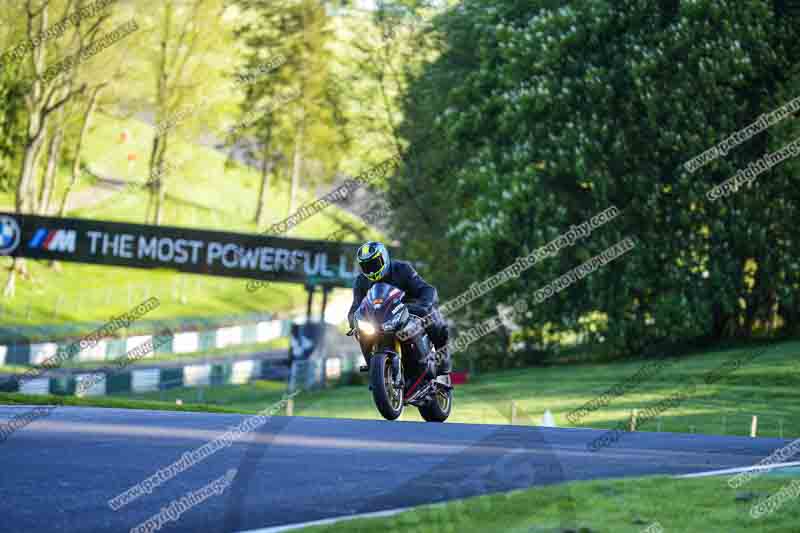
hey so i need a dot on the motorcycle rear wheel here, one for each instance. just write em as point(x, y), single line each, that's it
point(388, 399)
point(438, 409)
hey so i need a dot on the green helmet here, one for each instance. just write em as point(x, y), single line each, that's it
point(373, 258)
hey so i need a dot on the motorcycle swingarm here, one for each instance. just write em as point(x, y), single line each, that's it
point(422, 396)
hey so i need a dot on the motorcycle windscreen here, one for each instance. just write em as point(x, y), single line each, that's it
point(380, 300)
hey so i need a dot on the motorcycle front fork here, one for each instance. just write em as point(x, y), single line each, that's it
point(396, 361)
point(397, 374)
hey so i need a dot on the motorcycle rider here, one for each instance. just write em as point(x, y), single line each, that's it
point(376, 266)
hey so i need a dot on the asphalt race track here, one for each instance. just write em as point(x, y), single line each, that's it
point(59, 472)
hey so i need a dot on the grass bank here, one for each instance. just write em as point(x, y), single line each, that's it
point(618, 506)
point(766, 386)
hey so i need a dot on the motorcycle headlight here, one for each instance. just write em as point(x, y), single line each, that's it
point(366, 327)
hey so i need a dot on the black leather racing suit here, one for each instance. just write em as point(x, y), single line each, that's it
point(420, 298)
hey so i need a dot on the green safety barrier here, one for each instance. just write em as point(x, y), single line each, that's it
point(250, 334)
point(18, 354)
point(63, 385)
point(207, 340)
point(71, 332)
point(116, 348)
point(118, 383)
point(173, 376)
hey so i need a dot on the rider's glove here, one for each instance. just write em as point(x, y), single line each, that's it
point(419, 309)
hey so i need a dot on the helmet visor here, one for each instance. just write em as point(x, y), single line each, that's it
point(371, 267)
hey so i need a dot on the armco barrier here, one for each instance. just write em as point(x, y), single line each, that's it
point(11, 333)
point(312, 373)
point(18, 354)
point(338, 358)
point(183, 342)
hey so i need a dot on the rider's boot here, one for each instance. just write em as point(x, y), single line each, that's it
point(426, 355)
point(440, 335)
point(445, 363)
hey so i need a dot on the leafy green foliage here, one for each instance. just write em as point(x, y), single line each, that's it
point(12, 124)
point(298, 31)
point(559, 110)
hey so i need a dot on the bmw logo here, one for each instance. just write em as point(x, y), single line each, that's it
point(9, 234)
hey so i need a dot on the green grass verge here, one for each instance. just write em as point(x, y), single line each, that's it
point(12, 398)
point(243, 398)
point(67, 296)
point(618, 506)
point(766, 387)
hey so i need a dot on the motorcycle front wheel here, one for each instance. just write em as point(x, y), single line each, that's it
point(388, 399)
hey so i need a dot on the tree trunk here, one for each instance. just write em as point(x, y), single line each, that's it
point(299, 137)
point(157, 189)
point(48, 178)
point(266, 173)
point(76, 163)
point(11, 282)
point(297, 164)
point(30, 161)
point(151, 189)
point(160, 200)
point(24, 200)
point(718, 322)
point(789, 311)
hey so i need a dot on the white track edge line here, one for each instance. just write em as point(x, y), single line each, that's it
point(740, 469)
point(326, 521)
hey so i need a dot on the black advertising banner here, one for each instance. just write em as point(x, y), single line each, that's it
point(215, 253)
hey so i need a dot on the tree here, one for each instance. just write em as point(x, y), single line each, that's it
point(390, 49)
point(12, 122)
point(298, 32)
point(47, 94)
point(559, 110)
point(185, 79)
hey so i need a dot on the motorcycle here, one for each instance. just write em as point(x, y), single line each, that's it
point(400, 372)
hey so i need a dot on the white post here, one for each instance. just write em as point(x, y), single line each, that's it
point(183, 289)
point(754, 426)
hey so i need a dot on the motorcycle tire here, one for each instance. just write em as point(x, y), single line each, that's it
point(388, 399)
point(439, 408)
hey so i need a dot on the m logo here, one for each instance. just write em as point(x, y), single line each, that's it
point(54, 240)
